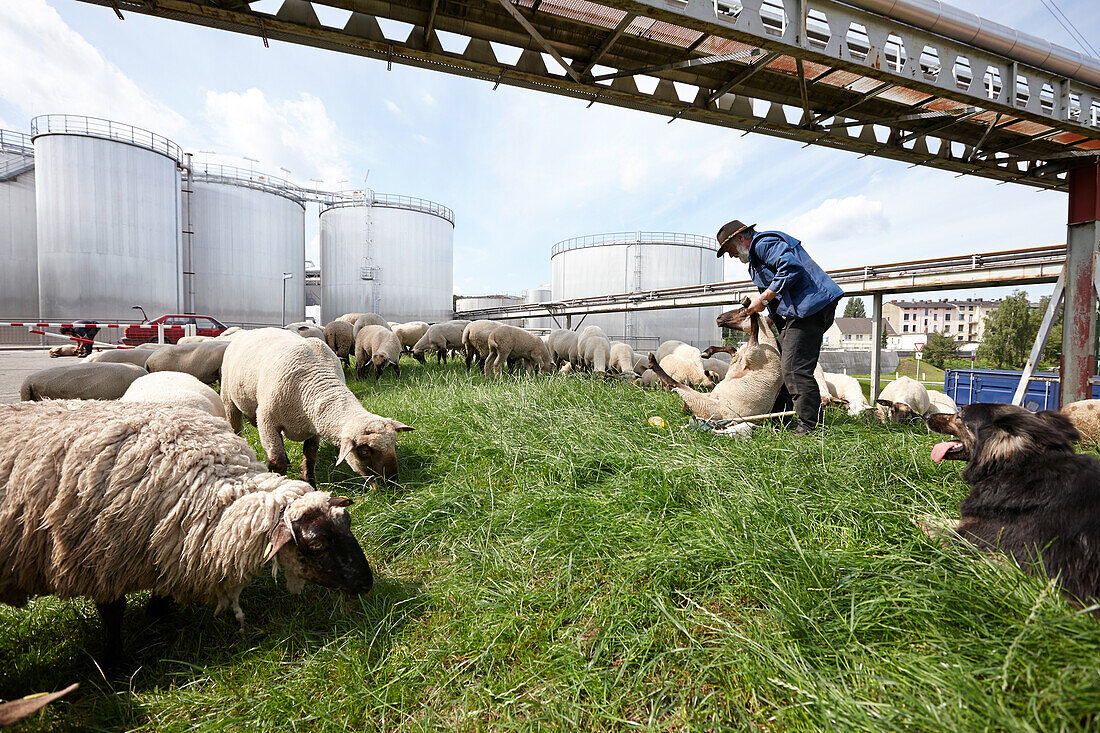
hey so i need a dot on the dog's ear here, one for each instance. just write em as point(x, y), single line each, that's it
point(1060, 429)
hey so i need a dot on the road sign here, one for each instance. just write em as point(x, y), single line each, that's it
point(918, 346)
point(918, 355)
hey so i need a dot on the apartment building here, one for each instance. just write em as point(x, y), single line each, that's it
point(853, 334)
point(962, 320)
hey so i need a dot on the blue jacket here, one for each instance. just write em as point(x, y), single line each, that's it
point(777, 262)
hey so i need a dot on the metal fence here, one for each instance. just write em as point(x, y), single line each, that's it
point(234, 176)
point(639, 237)
point(106, 130)
point(368, 197)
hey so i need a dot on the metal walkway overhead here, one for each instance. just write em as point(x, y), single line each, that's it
point(817, 72)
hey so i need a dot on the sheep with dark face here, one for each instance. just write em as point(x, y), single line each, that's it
point(475, 341)
point(513, 343)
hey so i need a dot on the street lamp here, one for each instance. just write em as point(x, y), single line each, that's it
point(286, 276)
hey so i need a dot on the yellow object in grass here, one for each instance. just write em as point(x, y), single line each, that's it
point(657, 422)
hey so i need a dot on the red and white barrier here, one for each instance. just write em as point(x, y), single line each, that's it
point(33, 327)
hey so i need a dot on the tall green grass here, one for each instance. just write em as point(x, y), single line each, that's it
point(551, 561)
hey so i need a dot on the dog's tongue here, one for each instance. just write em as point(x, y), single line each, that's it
point(940, 450)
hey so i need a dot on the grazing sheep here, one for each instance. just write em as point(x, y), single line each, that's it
point(295, 387)
point(340, 337)
point(350, 318)
point(685, 365)
point(649, 378)
point(903, 399)
point(228, 333)
point(564, 347)
point(475, 341)
point(176, 389)
point(150, 346)
point(80, 382)
point(370, 319)
point(120, 356)
point(595, 349)
point(305, 330)
point(102, 499)
point(641, 363)
point(193, 339)
point(752, 382)
point(67, 350)
point(940, 404)
point(1085, 416)
point(622, 358)
point(441, 338)
point(409, 333)
point(511, 342)
point(377, 345)
point(202, 361)
point(848, 391)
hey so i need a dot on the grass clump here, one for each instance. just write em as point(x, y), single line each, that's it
point(549, 560)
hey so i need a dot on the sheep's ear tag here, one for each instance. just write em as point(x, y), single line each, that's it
point(346, 447)
point(279, 537)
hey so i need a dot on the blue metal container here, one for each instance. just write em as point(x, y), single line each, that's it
point(969, 386)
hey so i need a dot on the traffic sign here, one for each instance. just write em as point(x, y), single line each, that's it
point(918, 346)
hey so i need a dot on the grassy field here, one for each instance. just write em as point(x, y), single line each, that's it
point(550, 561)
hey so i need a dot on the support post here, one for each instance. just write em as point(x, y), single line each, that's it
point(1079, 323)
point(1040, 339)
point(876, 344)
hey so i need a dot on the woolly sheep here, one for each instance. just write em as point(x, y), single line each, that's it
point(685, 365)
point(667, 348)
point(939, 403)
point(409, 333)
point(119, 356)
point(295, 387)
point(370, 319)
point(475, 341)
point(595, 349)
point(1085, 416)
point(649, 378)
point(622, 358)
point(350, 318)
point(379, 346)
point(305, 330)
point(202, 361)
point(903, 399)
point(340, 337)
point(715, 369)
point(564, 347)
point(847, 390)
point(228, 333)
point(752, 382)
point(511, 342)
point(67, 350)
point(440, 338)
point(177, 389)
point(102, 499)
point(80, 382)
point(193, 339)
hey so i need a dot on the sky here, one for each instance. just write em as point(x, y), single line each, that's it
point(521, 169)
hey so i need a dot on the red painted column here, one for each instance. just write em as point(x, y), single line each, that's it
point(1083, 237)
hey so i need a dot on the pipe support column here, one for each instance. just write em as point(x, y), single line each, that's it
point(1079, 322)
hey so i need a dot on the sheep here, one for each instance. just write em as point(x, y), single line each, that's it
point(475, 341)
point(649, 378)
point(621, 358)
point(350, 318)
point(175, 388)
point(202, 361)
point(641, 363)
point(667, 347)
point(752, 382)
point(595, 349)
point(685, 364)
point(340, 337)
point(512, 342)
point(715, 369)
point(564, 347)
point(370, 319)
point(847, 390)
point(410, 333)
point(228, 333)
point(193, 339)
point(822, 385)
point(441, 338)
point(941, 404)
point(903, 399)
point(379, 346)
point(80, 382)
point(305, 330)
point(103, 499)
point(1085, 416)
point(66, 350)
point(120, 356)
point(292, 386)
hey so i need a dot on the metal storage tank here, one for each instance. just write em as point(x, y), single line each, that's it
point(391, 255)
point(477, 302)
point(248, 229)
point(18, 225)
point(108, 213)
point(541, 294)
point(624, 262)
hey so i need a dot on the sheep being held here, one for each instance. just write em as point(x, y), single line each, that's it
point(176, 504)
point(295, 387)
point(377, 346)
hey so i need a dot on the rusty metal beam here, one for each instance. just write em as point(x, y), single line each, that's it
point(514, 12)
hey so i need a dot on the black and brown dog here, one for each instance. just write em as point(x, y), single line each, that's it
point(1031, 496)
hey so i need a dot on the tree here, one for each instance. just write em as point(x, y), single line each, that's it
point(1009, 332)
point(1052, 354)
point(855, 308)
point(939, 348)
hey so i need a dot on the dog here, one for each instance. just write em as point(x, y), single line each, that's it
point(1031, 496)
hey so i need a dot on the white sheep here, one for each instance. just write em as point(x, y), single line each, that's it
point(475, 341)
point(295, 387)
point(409, 333)
point(940, 403)
point(822, 385)
point(595, 349)
point(685, 365)
point(350, 318)
point(564, 347)
point(80, 382)
point(847, 390)
point(370, 319)
point(102, 499)
point(203, 361)
point(622, 358)
point(119, 356)
point(441, 338)
point(193, 339)
point(377, 346)
point(228, 333)
point(667, 347)
point(340, 337)
point(512, 342)
point(903, 399)
point(305, 330)
point(175, 388)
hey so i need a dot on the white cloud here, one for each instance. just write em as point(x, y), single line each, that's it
point(47, 67)
point(428, 100)
point(296, 133)
point(392, 107)
point(839, 219)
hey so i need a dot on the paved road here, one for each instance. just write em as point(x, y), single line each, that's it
point(16, 365)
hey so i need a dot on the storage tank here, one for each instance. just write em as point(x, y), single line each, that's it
point(624, 262)
point(18, 236)
point(248, 229)
point(108, 213)
point(391, 255)
point(477, 302)
point(541, 294)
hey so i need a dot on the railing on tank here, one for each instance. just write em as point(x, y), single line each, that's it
point(385, 200)
point(234, 176)
point(613, 238)
point(107, 130)
point(16, 142)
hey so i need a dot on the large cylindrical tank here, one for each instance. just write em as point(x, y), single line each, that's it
point(108, 213)
point(18, 229)
point(391, 255)
point(478, 302)
point(541, 294)
point(625, 262)
point(248, 231)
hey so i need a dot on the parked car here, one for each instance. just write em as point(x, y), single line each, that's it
point(174, 329)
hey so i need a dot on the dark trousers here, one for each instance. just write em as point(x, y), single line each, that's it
point(799, 348)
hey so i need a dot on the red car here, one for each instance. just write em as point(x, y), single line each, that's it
point(173, 329)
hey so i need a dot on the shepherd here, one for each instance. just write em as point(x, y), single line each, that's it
point(801, 300)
